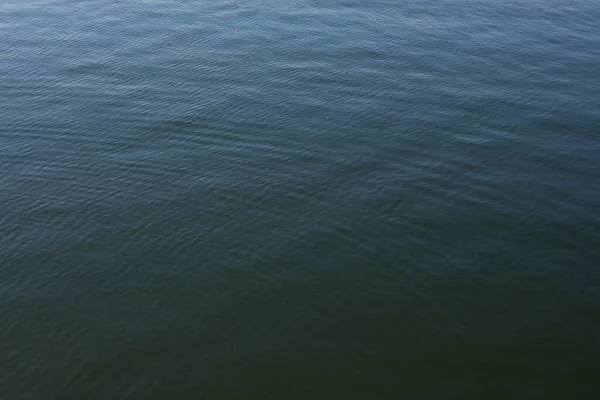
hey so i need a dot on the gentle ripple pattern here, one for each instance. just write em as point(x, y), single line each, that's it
point(299, 199)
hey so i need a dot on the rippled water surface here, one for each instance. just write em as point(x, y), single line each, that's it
point(304, 199)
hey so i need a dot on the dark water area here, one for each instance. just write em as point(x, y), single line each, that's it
point(299, 199)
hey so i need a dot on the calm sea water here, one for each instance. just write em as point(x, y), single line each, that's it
point(304, 199)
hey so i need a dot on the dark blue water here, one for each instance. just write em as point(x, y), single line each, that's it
point(299, 199)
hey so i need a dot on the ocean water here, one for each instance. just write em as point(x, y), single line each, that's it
point(304, 199)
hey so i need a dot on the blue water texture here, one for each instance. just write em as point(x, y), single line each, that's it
point(303, 199)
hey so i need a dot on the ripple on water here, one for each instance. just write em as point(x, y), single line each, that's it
point(345, 198)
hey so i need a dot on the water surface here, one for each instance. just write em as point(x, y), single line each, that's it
point(304, 199)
